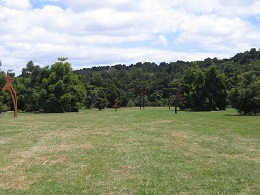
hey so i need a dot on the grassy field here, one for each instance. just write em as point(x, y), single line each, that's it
point(131, 151)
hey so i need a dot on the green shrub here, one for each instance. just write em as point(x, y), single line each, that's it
point(3, 107)
point(130, 103)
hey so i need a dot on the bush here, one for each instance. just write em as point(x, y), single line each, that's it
point(130, 103)
point(3, 107)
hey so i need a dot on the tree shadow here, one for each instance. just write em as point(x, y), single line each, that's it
point(242, 115)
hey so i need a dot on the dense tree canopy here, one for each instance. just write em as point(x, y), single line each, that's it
point(29, 85)
point(49, 89)
point(62, 88)
point(205, 84)
point(245, 96)
point(193, 88)
point(215, 89)
point(100, 99)
point(203, 90)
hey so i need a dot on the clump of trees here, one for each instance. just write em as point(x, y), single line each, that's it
point(204, 91)
point(49, 89)
point(205, 85)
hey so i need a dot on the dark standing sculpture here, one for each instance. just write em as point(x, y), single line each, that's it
point(142, 94)
point(8, 86)
point(178, 99)
point(116, 104)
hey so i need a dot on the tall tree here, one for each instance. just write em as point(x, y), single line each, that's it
point(112, 93)
point(62, 91)
point(100, 99)
point(245, 96)
point(29, 87)
point(216, 91)
point(193, 88)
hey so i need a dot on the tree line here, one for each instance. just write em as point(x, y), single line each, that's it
point(211, 84)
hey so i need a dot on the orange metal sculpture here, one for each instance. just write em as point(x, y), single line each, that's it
point(8, 86)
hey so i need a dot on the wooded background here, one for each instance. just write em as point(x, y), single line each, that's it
point(211, 84)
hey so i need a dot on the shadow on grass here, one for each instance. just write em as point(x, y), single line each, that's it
point(242, 115)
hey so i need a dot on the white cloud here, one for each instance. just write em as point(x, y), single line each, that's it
point(83, 5)
point(163, 40)
point(238, 8)
point(111, 31)
point(196, 6)
point(14, 4)
point(214, 33)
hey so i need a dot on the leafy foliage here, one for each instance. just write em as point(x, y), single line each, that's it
point(215, 89)
point(204, 90)
point(62, 88)
point(193, 87)
point(6, 102)
point(100, 99)
point(205, 84)
point(245, 96)
point(54, 89)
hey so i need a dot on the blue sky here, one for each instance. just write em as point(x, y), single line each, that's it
point(109, 32)
point(39, 4)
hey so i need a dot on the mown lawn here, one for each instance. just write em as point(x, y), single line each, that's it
point(131, 151)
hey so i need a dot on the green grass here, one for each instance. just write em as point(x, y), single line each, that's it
point(131, 151)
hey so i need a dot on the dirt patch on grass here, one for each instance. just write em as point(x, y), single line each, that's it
point(14, 180)
point(256, 159)
point(5, 141)
point(164, 121)
point(100, 133)
point(183, 134)
point(56, 148)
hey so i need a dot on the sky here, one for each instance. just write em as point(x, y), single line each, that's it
point(109, 32)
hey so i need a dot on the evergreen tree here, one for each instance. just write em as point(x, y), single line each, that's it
point(112, 93)
point(100, 99)
point(62, 91)
point(245, 96)
point(215, 89)
point(28, 86)
point(193, 88)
